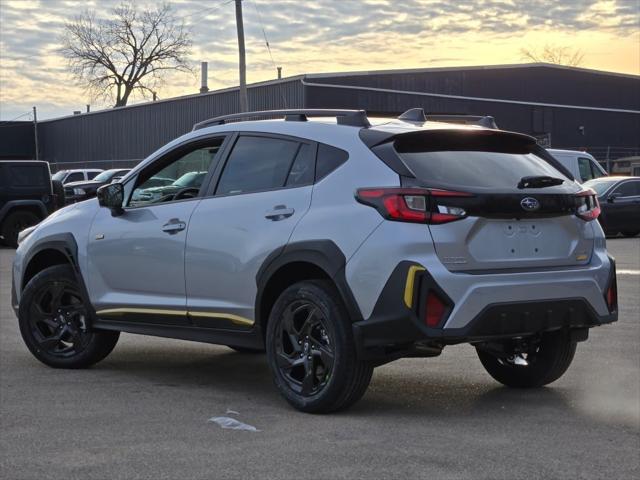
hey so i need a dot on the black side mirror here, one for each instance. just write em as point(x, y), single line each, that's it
point(111, 196)
point(612, 198)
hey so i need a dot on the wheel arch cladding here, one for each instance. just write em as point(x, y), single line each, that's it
point(58, 249)
point(297, 262)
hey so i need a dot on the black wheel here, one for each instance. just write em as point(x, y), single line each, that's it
point(311, 351)
point(630, 233)
point(54, 322)
point(14, 223)
point(246, 349)
point(533, 363)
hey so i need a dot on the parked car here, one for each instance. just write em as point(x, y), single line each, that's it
point(337, 245)
point(76, 175)
point(582, 165)
point(191, 180)
point(82, 190)
point(27, 195)
point(620, 203)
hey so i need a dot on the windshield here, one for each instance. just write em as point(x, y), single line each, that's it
point(105, 176)
point(191, 179)
point(600, 186)
point(59, 175)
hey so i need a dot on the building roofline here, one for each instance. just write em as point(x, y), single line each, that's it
point(181, 97)
point(302, 77)
point(472, 67)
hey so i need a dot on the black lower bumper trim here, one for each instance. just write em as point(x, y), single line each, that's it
point(394, 327)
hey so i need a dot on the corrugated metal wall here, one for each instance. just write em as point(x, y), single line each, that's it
point(122, 137)
point(605, 133)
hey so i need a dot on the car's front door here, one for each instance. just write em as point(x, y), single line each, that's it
point(262, 192)
point(623, 207)
point(136, 260)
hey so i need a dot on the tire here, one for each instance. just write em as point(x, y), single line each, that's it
point(14, 223)
point(54, 322)
point(630, 233)
point(320, 372)
point(246, 349)
point(547, 363)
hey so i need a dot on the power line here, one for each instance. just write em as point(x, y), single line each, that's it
point(266, 42)
point(16, 118)
point(208, 10)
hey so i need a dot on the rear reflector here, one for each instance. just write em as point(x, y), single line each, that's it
point(612, 296)
point(415, 205)
point(435, 309)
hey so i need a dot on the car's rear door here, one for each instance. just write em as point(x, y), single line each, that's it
point(261, 193)
point(623, 208)
point(136, 260)
point(502, 226)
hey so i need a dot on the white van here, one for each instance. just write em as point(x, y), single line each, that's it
point(582, 165)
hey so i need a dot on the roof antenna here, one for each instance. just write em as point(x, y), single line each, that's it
point(413, 115)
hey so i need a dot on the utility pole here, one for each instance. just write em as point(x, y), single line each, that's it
point(244, 104)
point(35, 130)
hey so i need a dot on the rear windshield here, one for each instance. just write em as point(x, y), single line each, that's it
point(485, 163)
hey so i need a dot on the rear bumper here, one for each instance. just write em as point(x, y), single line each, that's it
point(394, 327)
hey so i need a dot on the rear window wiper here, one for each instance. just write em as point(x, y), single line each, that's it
point(539, 181)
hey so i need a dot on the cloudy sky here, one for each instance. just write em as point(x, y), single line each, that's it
point(317, 36)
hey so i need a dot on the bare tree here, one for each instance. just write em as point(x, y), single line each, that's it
point(128, 52)
point(554, 54)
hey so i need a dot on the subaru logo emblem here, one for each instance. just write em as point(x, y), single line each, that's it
point(530, 204)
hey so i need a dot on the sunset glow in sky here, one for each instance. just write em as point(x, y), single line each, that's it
point(318, 36)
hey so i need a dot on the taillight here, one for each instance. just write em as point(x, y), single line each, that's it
point(588, 207)
point(435, 309)
point(416, 205)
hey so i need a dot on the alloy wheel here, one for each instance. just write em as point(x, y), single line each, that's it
point(304, 348)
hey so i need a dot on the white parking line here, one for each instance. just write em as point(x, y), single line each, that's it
point(628, 272)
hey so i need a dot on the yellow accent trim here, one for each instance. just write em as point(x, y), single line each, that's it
point(581, 257)
point(237, 319)
point(408, 287)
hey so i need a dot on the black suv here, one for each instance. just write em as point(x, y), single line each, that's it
point(27, 196)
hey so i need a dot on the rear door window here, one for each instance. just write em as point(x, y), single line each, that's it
point(303, 168)
point(74, 177)
point(596, 170)
point(584, 166)
point(258, 163)
point(628, 189)
point(92, 175)
point(27, 176)
point(329, 158)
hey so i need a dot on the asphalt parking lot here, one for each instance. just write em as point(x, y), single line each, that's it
point(144, 411)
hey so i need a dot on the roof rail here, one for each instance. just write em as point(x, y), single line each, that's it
point(418, 115)
point(355, 118)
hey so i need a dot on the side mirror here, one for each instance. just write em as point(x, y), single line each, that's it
point(111, 196)
point(612, 198)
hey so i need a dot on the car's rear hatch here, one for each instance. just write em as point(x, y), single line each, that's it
point(516, 207)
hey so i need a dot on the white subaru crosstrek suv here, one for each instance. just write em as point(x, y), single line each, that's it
point(335, 242)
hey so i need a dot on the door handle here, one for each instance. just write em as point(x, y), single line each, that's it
point(279, 212)
point(174, 226)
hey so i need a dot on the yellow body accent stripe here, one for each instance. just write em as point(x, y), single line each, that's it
point(237, 319)
point(408, 288)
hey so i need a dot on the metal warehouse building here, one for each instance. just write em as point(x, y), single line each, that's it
point(564, 107)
